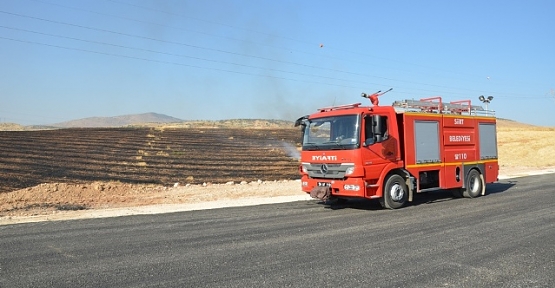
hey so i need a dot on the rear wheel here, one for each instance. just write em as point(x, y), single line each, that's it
point(474, 184)
point(395, 192)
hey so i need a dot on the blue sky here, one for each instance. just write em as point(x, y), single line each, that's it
point(69, 59)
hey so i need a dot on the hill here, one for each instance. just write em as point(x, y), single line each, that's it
point(227, 123)
point(11, 127)
point(117, 121)
point(510, 124)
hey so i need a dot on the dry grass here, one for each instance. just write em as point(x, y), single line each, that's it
point(526, 146)
point(523, 145)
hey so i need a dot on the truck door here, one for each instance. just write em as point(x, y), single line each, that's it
point(379, 147)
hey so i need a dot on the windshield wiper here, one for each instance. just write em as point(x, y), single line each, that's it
point(312, 144)
point(338, 145)
point(332, 142)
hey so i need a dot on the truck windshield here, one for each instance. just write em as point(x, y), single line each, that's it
point(332, 133)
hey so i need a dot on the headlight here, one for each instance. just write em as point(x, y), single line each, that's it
point(350, 170)
point(304, 168)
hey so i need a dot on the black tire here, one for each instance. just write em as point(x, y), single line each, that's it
point(395, 192)
point(474, 184)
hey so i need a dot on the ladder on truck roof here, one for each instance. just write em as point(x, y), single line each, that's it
point(331, 108)
point(436, 105)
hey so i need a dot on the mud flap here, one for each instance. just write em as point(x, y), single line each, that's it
point(410, 188)
point(483, 184)
point(322, 193)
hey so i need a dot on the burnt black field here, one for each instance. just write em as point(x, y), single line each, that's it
point(146, 155)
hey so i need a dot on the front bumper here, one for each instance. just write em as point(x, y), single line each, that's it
point(349, 187)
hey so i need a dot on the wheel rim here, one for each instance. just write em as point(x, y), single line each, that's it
point(396, 192)
point(475, 185)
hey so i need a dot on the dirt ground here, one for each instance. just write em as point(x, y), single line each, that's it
point(49, 198)
point(63, 201)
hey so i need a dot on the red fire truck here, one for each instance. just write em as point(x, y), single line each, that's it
point(392, 152)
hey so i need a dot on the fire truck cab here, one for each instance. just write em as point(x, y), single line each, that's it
point(393, 152)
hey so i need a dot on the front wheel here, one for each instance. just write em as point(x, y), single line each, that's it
point(474, 184)
point(395, 192)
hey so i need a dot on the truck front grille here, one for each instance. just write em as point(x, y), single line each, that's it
point(327, 171)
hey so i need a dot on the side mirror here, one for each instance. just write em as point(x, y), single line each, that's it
point(379, 125)
point(301, 121)
point(376, 127)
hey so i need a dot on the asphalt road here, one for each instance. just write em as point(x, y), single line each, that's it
point(505, 239)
